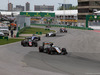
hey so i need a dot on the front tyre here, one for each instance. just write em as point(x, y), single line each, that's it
point(54, 34)
point(64, 51)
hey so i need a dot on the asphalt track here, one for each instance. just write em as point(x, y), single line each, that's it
point(83, 58)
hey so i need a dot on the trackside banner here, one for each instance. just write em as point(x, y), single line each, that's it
point(37, 14)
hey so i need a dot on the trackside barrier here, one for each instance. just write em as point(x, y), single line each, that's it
point(2, 37)
point(39, 33)
point(36, 32)
point(74, 27)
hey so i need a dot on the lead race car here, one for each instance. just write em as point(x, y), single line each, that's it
point(64, 30)
point(49, 48)
point(50, 34)
point(29, 42)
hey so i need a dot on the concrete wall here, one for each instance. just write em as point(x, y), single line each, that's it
point(27, 21)
point(21, 20)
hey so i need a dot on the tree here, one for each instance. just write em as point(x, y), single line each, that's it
point(60, 8)
point(71, 8)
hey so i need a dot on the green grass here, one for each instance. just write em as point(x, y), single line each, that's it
point(33, 30)
point(4, 41)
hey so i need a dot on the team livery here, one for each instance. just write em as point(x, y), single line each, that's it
point(49, 48)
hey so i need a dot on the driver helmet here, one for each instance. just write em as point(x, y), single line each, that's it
point(52, 45)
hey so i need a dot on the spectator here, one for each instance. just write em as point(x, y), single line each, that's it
point(11, 33)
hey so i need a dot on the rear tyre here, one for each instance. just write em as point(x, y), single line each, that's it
point(60, 31)
point(54, 34)
point(24, 45)
point(50, 51)
point(39, 38)
point(41, 49)
point(47, 35)
point(35, 44)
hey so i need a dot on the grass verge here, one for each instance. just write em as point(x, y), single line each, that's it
point(33, 30)
point(4, 41)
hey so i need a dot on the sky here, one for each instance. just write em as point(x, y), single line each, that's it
point(3, 3)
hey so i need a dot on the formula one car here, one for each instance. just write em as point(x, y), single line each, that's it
point(51, 34)
point(49, 48)
point(29, 42)
point(36, 38)
point(63, 30)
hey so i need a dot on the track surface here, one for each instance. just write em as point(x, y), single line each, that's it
point(83, 57)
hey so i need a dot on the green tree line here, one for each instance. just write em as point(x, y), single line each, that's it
point(70, 8)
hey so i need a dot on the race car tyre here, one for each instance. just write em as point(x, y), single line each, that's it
point(35, 44)
point(64, 51)
point(41, 49)
point(54, 34)
point(25, 44)
point(47, 35)
point(21, 43)
point(50, 51)
point(39, 38)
